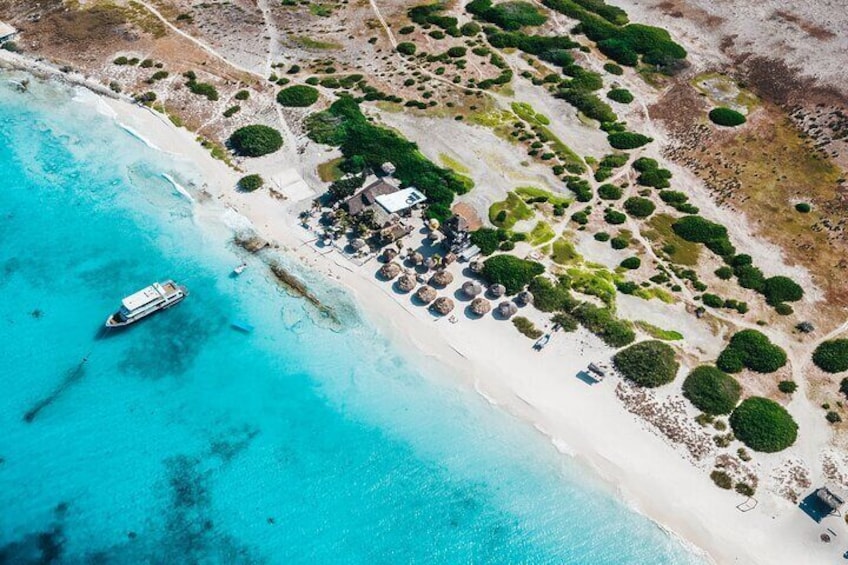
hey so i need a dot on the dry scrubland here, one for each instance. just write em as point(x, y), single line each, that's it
point(681, 238)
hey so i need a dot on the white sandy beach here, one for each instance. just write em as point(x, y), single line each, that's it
point(585, 422)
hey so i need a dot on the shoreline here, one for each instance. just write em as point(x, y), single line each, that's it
point(586, 423)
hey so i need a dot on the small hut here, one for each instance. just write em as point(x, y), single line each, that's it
point(443, 305)
point(426, 294)
point(416, 258)
point(507, 309)
point(524, 298)
point(389, 271)
point(357, 244)
point(476, 266)
point(441, 279)
point(389, 253)
point(833, 497)
point(449, 258)
point(406, 283)
point(497, 290)
point(480, 306)
point(471, 288)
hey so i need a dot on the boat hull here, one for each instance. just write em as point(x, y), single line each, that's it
point(114, 322)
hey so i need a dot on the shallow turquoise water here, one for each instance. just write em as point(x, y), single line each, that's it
point(182, 441)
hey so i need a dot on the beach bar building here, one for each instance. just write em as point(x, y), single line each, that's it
point(7, 32)
point(832, 497)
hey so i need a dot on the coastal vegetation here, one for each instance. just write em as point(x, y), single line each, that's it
point(647, 363)
point(750, 349)
point(526, 327)
point(726, 117)
point(255, 140)
point(627, 140)
point(250, 183)
point(510, 15)
point(639, 207)
point(603, 323)
point(763, 425)
point(510, 271)
point(711, 390)
point(832, 356)
point(621, 95)
point(297, 96)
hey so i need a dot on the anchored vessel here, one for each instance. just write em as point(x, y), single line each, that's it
point(156, 297)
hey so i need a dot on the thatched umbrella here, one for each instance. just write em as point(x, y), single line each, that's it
point(426, 294)
point(471, 288)
point(416, 258)
point(389, 253)
point(406, 283)
point(476, 266)
point(449, 258)
point(497, 290)
point(389, 271)
point(443, 305)
point(357, 244)
point(434, 236)
point(441, 279)
point(480, 306)
point(431, 263)
point(524, 298)
point(506, 309)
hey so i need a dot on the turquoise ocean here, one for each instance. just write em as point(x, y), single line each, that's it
point(181, 440)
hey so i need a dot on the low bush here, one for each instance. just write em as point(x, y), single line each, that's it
point(833, 417)
point(613, 69)
point(255, 140)
point(619, 242)
point(513, 273)
point(511, 15)
point(614, 217)
point(603, 323)
point(712, 300)
point(526, 327)
point(203, 89)
point(627, 140)
point(639, 207)
point(631, 263)
point(250, 183)
point(711, 390)
point(602, 236)
point(726, 117)
point(566, 322)
point(550, 296)
point(406, 48)
point(753, 350)
point(647, 363)
point(787, 387)
point(232, 111)
point(781, 289)
point(832, 356)
point(700, 230)
point(763, 425)
point(297, 96)
point(609, 192)
point(803, 207)
point(724, 273)
point(486, 239)
point(621, 95)
point(722, 479)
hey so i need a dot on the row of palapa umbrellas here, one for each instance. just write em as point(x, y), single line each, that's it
point(443, 305)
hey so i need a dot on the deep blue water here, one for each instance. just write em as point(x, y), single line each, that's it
point(183, 441)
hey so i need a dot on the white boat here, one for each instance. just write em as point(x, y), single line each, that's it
point(156, 297)
point(240, 269)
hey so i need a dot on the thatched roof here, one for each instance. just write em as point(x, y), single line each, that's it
point(480, 306)
point(358, 244)
point(831, 495)
point(416, 258)
point(406, 283)
point(524, 298)
point(431, 263)
point(449, 258)
point(443, 305)
point(507, 309)
point(472, 288)
point(389, 271)
point(441, 279)
point(476, 266)
point(426, 294)
point(497, 290)
point(389, 253)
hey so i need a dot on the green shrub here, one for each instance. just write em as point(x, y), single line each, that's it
point(751, 349)
point(231, 111)
point(781, 289)
point(763, 425)
point(619, 242)
point(603, 323)
point(602, 236)
point(627, 140)
point(511, 15)
point(784, 309)
point(711, 390)
point(609, 192)
point(549, 296)
point(486, 239)
point(250, 183)
point(297, 96)
point(590, 105)
point(750, 277)
point(631, 263)
point(566, 322)
point(510, 271)
point(700, 230)
point(457, 52)
point(255, 140)
point(121, 61)
point(832, 356)
point(470, 29)
point(803, 207)
point(158, 75)
point(614, 217)
point(406, 48)
point(621, 95)
point(787, 387)
point(726, 117)
point(656, 178)
point(744, 489)
point(406, 30)
point(724, 273)
point(647, 363)
point(203, 89)
point(722, 479)
point(833, 417)
point(712, 300)
point(639, 207)
point(613, 69)
point(526, 327)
